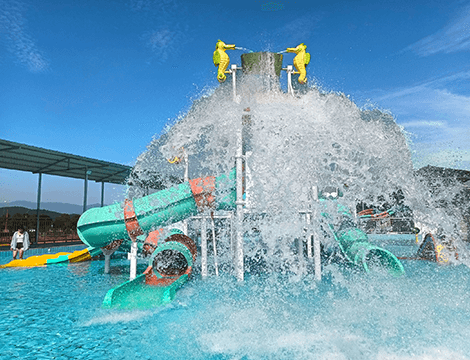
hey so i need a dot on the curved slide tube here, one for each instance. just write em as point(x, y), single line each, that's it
point(172, 259)
point(355, 246)
point(99, 227)
point(170, 266)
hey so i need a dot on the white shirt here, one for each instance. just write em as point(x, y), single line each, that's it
point(20, 238)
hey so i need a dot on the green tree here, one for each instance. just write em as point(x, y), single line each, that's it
point(73, 221)
point(63, 222)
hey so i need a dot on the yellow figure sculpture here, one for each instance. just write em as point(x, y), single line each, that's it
point(301, 60)
point(221, 59)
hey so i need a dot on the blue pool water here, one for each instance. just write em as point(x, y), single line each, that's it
point(55, 312)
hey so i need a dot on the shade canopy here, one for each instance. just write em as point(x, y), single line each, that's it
point(16, 156)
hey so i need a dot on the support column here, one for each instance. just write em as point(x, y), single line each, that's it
point(316, 236)
point(133, 260)
point(232, 244)
point(203, 247)
point(316, 254)
point(214, 245)
point(107, 259)
point(309, 236)
point(290, 89)
point(38, 207)
point(186, 179)
point(234, 81)
point(85, 190)
point(102, 193)
point(107, 263)
point(239, 265)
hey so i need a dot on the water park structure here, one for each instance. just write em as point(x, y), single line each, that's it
point(285, 190)
point(145, 224)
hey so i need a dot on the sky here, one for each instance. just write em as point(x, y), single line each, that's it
point(101, 78)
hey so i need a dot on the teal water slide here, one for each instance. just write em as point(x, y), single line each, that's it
point(139, 294)
point(98, 227)
point(355, 245)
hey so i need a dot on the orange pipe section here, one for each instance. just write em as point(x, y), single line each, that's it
point(203, 189)
point(132, 225)
point(151, 242)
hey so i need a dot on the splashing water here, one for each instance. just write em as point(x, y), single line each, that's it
point(291, 144)
point(244, 49)
point(424, 315)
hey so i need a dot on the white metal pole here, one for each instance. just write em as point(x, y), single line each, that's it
point(234, 81)
point(317, 259)
point(290, 70)
point(239, 266)
point(214, 245)
point(309, 235)
point(186, 179)
point(203, 247)
point(133, 260)
point(316, 237)
point(232, 245)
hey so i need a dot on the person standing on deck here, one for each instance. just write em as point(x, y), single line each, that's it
point(19, 242)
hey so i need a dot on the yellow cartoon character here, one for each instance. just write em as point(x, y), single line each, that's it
point(221, 59)
point(301, 60)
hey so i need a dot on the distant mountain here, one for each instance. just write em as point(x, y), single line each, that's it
point(12, 210)
point(61, 208)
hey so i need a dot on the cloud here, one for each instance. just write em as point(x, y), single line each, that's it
point(430, 100)
point(424, 123)
point(452, 38)
point(297, 30)
point(18, 41)
point(161, 39)
point(302, 25)
point(437, 118)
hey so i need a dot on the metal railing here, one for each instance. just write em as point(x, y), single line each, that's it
point(51, 237)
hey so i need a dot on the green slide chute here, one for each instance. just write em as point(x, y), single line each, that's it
point(355, 245)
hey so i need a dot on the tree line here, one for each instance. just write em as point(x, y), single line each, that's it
point(63, 223)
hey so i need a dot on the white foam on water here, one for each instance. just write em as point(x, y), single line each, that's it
point(118, 317)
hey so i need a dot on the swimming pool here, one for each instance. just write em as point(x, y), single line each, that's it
point(55, 312)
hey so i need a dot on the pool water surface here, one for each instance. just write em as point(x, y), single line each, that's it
point(55, 312)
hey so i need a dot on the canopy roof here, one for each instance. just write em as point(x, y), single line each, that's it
point(16, 156)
